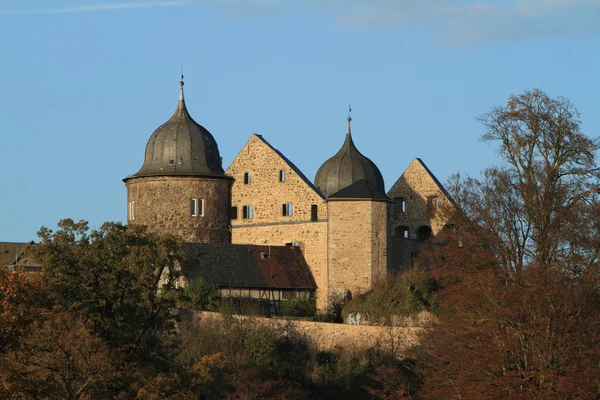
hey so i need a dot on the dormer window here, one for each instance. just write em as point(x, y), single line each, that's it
point(246, 178)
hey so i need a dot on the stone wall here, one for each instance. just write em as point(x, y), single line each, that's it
point(327, 336)
point(266, 192)
point(424, 197)
point(357, 245)
point(163, 204)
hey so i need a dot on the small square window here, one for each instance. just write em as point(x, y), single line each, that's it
point(287, 210)
point(246, 178)
point(247, 212)
point(281, 175)
point(197, 207)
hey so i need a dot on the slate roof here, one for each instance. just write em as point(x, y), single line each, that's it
point(12, 253)
point(346, 167)
point(360, 190)
point(242, 266)
point(181, 146)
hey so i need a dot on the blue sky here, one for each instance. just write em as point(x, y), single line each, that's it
point(84, 84)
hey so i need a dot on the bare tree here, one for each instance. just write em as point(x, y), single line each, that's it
point(541, 207)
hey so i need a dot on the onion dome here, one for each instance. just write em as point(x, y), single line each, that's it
point(347, 167)
point(181, 146)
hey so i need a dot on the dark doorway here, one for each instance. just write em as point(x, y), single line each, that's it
point(423, 233)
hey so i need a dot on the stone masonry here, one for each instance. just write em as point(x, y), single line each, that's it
point(357, 241)
point(267, 194)
point(424, 197)
point(162, 203)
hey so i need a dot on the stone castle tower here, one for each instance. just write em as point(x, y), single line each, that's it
point(357, 225)
point(181, 188)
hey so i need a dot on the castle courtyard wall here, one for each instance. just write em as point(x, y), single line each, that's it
point(328, 336)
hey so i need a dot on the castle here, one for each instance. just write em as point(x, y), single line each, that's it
point(347, 229)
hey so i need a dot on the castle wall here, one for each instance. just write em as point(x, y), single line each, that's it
point(163, 204)
point(311, 237)
point(379, 240)
point(356, 237)
point(328, 336)
point(265, 192)
point(421, 192)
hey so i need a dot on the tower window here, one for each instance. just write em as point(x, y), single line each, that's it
point(287, 210)
point(281, 175)
point(197, 207)
point(399, 206)
point(246, 178)
point(247, 212)
point(131, 210)
point(314, 212)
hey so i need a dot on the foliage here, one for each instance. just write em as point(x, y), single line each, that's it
point(410, 293)
point(519, 266)
point(334, 311)
point(274, 352)
point(58, 358)
point(299, 307)
point(111, 276)
point(23, 299)
point(201, 295)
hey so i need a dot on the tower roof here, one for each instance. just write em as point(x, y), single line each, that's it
point(347, 166)
point(181, 146)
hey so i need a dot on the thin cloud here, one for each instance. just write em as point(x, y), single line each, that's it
point(478, 21)
point(103, 7)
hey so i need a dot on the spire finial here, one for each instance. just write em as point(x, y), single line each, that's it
point(181, 85)
point(349, 118)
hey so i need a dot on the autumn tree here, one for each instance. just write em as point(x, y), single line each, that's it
point(541, 206)
point(57, 358)
point(520, 264)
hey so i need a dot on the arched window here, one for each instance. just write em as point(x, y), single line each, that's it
point(401, 231)
point(423, 233)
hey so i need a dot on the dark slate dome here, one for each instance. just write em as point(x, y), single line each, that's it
point(181, 146)
point(347, 167)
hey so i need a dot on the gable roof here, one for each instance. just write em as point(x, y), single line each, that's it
point(290, 164)
point(13, 253)
point(360, 190)
point(433, 178)
point(243, 266)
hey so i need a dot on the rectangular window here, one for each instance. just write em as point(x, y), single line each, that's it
point(246, 178)
point(131, 210)
point(314, 212)
point(247, 212)
point(281, 175)
point(233, 212)
point(287, 210)
point(197, 207)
